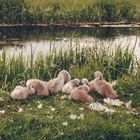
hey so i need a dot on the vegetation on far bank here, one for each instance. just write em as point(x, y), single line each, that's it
point(27, 11)
point(25, 120)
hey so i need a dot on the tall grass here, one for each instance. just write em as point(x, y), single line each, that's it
point(81, 62)
point(22, 11)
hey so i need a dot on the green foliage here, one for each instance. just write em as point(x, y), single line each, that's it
point(12, 11)
point(21, 11)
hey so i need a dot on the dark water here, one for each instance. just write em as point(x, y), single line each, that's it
point(31, 32)
point(17, 39)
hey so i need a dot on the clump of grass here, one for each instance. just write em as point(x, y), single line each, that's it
point(112, 62)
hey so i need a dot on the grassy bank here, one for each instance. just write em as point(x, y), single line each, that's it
point(71, 3)
point(52, 120)
point(27, 11)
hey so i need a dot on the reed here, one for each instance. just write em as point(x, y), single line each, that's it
point(22, 11)
point(79, 61)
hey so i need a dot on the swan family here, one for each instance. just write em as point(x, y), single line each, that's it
point(79, 90)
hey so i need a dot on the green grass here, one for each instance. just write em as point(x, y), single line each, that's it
point(71, 3)
point(27, 11)
point(34, 123)
point(44, 123)
point(135, 2)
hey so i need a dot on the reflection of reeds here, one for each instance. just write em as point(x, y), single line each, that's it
point(80, 62)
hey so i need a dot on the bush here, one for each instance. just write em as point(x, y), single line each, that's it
point(19, 11)
point(12, 11)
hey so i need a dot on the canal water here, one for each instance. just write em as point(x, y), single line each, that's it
point(45, 39)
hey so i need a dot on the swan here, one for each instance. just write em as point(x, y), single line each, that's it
point(68, 87)
point(39, 86)
point(55, 85)
point(21, 93)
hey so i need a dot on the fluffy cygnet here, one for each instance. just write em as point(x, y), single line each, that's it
point(21, 93)
point(89, 84)
point(81, 94)
point(103, 87)
point(39, 86)
point(68, 87)
point(55, 85)
point(98, 75)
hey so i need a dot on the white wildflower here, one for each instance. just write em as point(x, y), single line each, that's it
point(39, 106)
point(1, 99)
point(128, 112)
point(52, 109)
point(81, 109)
point(50, 117)
point(128, 104)
point(114, 83)
point(62, 133)
point(131, 94)
point(65, 123)
point(63, 97)
point(72, 116)
point(20, 110)
point(134, 124)
point(107, 110)
point(132, 112)
point(2, 112)
point(135, 113)
point(81, 116)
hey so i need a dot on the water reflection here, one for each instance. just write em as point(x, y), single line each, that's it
point(44, 39)
point(32, 32)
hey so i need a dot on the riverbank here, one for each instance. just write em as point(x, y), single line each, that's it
point(57, 117)
point(78, 25)
point(25, 12)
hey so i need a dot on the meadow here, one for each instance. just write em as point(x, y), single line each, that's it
point(49, 118)
point(68, 12)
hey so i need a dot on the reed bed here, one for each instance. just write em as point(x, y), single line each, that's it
point(81, 62)
point(27, 11)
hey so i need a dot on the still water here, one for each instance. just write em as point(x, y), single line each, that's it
point(42, 39)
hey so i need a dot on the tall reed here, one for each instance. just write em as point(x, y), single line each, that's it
point(81, 62)
point(27, 11)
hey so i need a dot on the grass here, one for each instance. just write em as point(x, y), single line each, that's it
point(90, 10)
point(71, 3)
point(27, 11)
point(45, 123)
point(34, 123)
